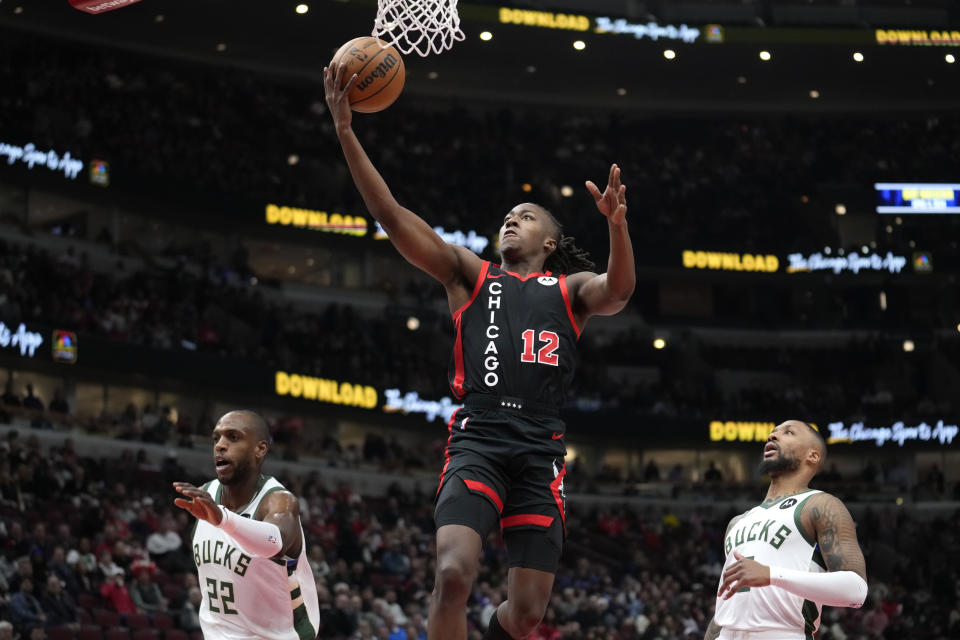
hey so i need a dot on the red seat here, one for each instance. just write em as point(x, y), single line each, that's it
point(175, 634)
point(89, 632)
point(84, 617)
point(146, 634)
point(88, 601)
point(59, 633)
point(117, 633)
point(162, 621)
point(171, 591)
point(138, 621)
point(106, 619)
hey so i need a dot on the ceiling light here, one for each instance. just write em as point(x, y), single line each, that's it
point(621, 91)
point(222, 47)
point(531, 69)
point(18, 10)
point(302, 8)
point(841, 209)
point(293, 159)
point(486, 35)
point(413, 323)
point(765, 55)
point(814, 94)
point(950, 58)
point(659, 343)
point(527, 187)
point(669, 54)
point(741, 80)
point(159, 17)
point(433, 75)
point(857, 56)
point(566, 191)
point(908, 346)
point(579, 45)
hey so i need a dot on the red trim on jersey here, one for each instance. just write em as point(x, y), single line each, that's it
point(459, 373)
point(446, 450)
point(476, 288)
point(566, 303)
point(523, 278)
point(555, 490)
point(526, 518)
point(476, 485)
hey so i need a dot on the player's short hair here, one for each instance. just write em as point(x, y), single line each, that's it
point(821, 441)
point(258, 425)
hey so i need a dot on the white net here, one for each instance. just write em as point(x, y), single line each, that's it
point(421, 26)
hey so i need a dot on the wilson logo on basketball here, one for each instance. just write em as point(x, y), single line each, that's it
point(380, 71)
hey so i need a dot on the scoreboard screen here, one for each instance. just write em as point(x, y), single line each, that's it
point(908, 198)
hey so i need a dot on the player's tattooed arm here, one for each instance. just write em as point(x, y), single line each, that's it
point(836, 534)
point(282, 509)
point(713, 631)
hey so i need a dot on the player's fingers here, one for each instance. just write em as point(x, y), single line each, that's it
point(352, 80)
point(613, 169)
point(594, 190)
point(327, 81)
point(184, 504)
point(616, 178)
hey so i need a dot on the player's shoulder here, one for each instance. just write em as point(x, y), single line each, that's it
point(737, 518)
point(578, 279)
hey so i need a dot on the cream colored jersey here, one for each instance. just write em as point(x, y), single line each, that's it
point(772, 535)
point(246, 597)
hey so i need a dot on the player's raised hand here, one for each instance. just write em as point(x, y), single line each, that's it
point(745, 572)
point(337, 88)
point(613, 201)
point(198, 502)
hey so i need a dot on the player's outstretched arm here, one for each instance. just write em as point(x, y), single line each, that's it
point(410, 234)
point(282, 509)
point(608, 293)
point(259, 539)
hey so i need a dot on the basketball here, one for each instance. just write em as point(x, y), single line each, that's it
point(380, 73)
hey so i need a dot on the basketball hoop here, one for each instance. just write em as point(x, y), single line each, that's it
point(421, 26)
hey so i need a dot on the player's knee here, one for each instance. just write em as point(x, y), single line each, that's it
point(454, 580)
point(525, 615)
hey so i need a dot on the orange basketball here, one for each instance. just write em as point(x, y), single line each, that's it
point(380, 70)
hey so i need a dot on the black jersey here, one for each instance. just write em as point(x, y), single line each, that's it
point(515, 337)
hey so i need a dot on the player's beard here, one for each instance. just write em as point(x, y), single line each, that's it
point(778, 464)
point(241, 469)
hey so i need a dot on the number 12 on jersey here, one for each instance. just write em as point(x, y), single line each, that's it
point(547, 354)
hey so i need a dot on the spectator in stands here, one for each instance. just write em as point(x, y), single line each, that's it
point(57, 567)
point(82, 555)
point(144, 591)
point(712, 474)
point(10, 398)
point(59, 403)
point(59, 606)
point(164, 543)
point(114, 591)
point(190, 611)
point(31, 401)
point(25, 610)
point(6, 630)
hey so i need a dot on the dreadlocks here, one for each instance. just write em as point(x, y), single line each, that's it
point(567, 258)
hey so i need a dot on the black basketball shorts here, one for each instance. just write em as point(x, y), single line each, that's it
point(506, 466)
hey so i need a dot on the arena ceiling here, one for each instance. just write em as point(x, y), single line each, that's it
point(810, 68)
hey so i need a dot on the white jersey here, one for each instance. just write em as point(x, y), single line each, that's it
point(771, 535)
point(246, 597)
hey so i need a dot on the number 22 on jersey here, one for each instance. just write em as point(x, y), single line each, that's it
point(547, 354)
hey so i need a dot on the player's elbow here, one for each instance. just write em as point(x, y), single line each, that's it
point(858, 594)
